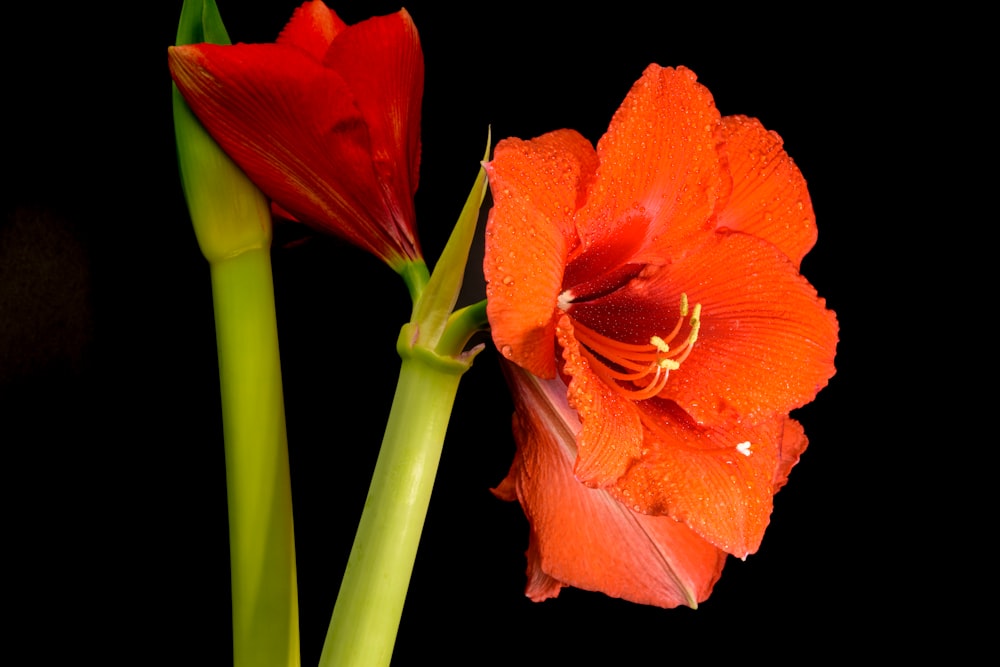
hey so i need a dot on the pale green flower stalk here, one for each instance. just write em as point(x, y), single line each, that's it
point(232, 222)
point(366, 617)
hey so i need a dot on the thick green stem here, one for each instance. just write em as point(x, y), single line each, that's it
point(261, 538)
point(370, 603)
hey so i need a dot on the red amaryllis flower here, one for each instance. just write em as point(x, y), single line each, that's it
point(326, 121)
point(655, 280)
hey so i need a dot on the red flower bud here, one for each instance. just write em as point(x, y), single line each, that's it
point(326, 121)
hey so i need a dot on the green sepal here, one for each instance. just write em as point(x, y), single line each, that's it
point(201, 22)
point(230, 215)
point(435, 303)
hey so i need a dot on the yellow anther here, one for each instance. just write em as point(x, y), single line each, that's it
point(659, 344)
point(684, 304)
point(695, 324)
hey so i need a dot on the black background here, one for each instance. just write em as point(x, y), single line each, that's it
point(114, 472)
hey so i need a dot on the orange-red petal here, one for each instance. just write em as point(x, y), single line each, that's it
point(769, 198)
point(658, 160)
point(766, 343)
point(610, 439)
point(793, 443)
point(536, 187)
point(719, 481)
point(583, 537)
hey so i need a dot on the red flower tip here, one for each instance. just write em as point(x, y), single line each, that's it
point(655, 280)
point(326, 121)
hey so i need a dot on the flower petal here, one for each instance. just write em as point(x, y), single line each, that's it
point(766, 343)
point(793, 443)
point(658, 160)
point(383, 65)
point(541, 586)
point(312, 28)
point(536, 187)
point(769, 198)
point(583, 537)
point(719, 481)
point(610, 439)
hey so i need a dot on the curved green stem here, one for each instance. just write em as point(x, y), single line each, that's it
point(415, 276)
point(462, 325)
point(370, 603)
point(261, 536)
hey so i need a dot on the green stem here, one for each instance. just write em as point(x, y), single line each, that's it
point(370, 603)
point(415, 276)
point(462, 325)
point(261, 537)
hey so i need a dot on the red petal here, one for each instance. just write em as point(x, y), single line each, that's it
point(658, 160)
point(583, 537)
point(719, 481)
point(383, 65)
point(767, 341)
point(312, 29)
point(769, 197)
point(611, 437)
point(536, 187)
point(540, 585)
point(793, 443)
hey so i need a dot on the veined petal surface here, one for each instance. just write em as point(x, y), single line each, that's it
point(769, 198)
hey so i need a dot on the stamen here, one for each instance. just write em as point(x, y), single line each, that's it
point(644, 367)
